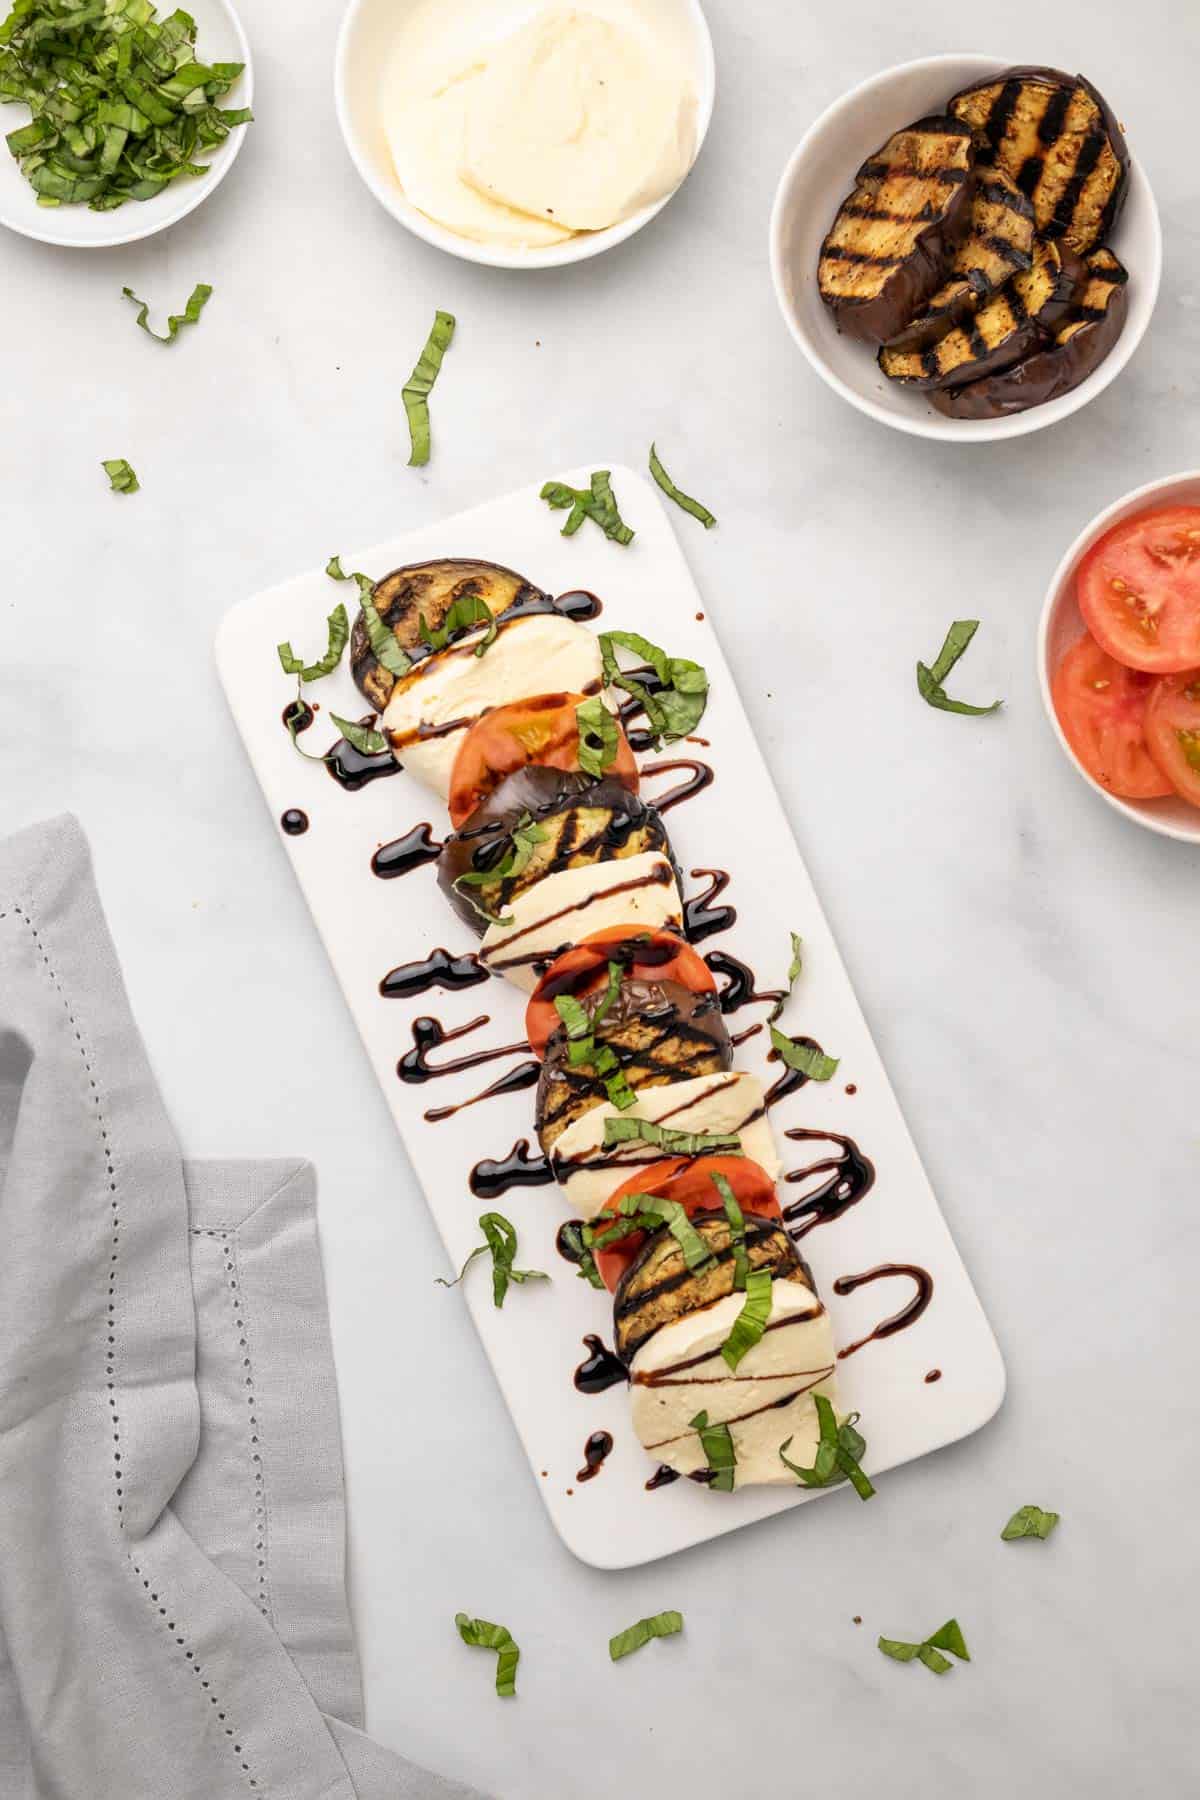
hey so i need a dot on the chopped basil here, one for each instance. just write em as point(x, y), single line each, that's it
point(467, 610)
point(930, 681)
point(681, 499)
point(417, 388)
point(479, 908)
point(381, 637)
point(807, 1058)
point(339, 632)
point(197, 300)
point(580, 1025)
point(596, 502)
point(737, 1232)
point(1029, 1521)
point(679, 705)
point(364, 738)
point(663, 1624)
point(650, 1212)
point(480, 1634)
point(673, 1143)
point(751, 1322)
point(120, 105)
point(121, 478)
point(335, 571)
point(929, 1650)
point(524, 838)
point(793, 975)
point(598, 736)
point(579, 1251)
point(717, 1441)
point(500, 1238)
point(839, 1453)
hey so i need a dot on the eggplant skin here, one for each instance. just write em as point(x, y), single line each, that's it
point(659, 1031)
point(891, 244)
point(429, 589)
point(1061, 142)
point(1083, 340)
point(584, 822)
point(658, 1287)
point(999, 244)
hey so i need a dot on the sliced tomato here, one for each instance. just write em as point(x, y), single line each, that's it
point(541, 730)
point(1139, 590)
point(689, 1182)
point(1173, 732)
point(1101, 706)
point(651, 955)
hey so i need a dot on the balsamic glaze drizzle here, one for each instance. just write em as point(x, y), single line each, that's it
point(701, 918)
point(523, 1075)
point(567, 1241)
point(492, 1177)
point(297, 716)
point(897, 1321)
point(352, 770)
point(594, 1453)
point(294, 822)
point(403, 854)
point(438, 969)
point(739, 989)
point(791, 1079)
point(701, 777)
point(663, 1476)
point(850, 1176)
point(428, 1034)
point(602, 1368)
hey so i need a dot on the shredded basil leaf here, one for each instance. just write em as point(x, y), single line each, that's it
point(364, 739)
point(671, 1142)
point(121, 478)
point(339, 631)
point(793, 975)
point(598, 736)
point(930, 681)
point(197, 300)
point(573, 1235)
point(752, 1321)
point(334, 569)
point(575, 1018)
point(681, 499)
point(679, 705)
point(120, 106)
point(663, 1624)
point(810, 1061)
point(838, 1455)
point(717, 1441)
point(596, 502)
point(737, 1231)
point(418, 387)
point(1030, 1521)
point(500, 1238)
point(929, 1650)
point(524, 838)
point(650, 1212)
point(467, 610)
point(482, 1635)
point(381, 637)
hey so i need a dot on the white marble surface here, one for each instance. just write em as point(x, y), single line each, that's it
point(1027, 960)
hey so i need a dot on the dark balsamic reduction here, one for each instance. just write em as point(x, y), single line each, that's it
point(412, 851)
point(898, 1321)
point(524, 1075)
point(429, 1033)
point(934, 1375)
point(439, 969)
point(701, 776)
point(701, 918)
point(850, 1176)
point(594, 1453)
point(568, 1242)
point(601, 1369)
point(791, 1079)
point(663, 1476)
point(490, 1178)
point(294, 822)
point(351, 769)
point(739, 989)
point(739, 1037)
point(576, 603)
point(297, 716)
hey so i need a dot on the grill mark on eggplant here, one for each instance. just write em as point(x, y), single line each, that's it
point(1054, 117)
point(875, 171)
point(652, 1068)
point(839, 253)
point(1000, 113)
point(662, 1377)
point(740, 1418)
point(1085, 164)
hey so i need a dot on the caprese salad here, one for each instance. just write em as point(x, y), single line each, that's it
point(1127, 693)
point(514, 713)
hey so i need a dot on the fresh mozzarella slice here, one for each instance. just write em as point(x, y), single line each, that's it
point(441, 696)
point(560, 909)
point(769, 1398)
point(728, 1102)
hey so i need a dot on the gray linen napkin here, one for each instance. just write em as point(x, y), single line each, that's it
point(173, 1621)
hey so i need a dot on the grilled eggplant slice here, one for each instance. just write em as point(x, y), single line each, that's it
point(659, 1031)
point(890, 246)
point(582, 821)
point(430, 590)
point(1082, 341)
point(1008, 327)
point(658, 1287)
point(998, 245)
point(1060, 142)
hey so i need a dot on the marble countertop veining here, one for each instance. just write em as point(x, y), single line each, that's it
point(1027, 959)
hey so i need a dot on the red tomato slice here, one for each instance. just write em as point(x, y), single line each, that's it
point(652, 955)
point(1101, 706)
point(688, 1181)
point(542, 730)
point(1139, 590)
point(1173, 732)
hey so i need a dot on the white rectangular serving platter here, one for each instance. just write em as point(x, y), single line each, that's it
point(369, 926)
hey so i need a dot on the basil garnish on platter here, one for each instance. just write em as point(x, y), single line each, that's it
point(598, 736)
point(121, 478)
point(1029, 1521)
point(681, 499)
point(417, 389)
point(363, 738)
point(793, 975)
point(751, 1322)
point(808, 1059)
point(197, 300)
point(929, 1651)
point(597, 502)
point(500, 1238)
point(574, 1238)
point(466, 611)
point(580, 1027)
point(481, 1634)
point(670, 1141)
point(382, 639)
point(930, 680)
point(839, 1453)
point(717, 1442)
point(650, 1212)
point(338, 625)
point(335, 571)
point(523, 840)
point(659, 1625)
point(678, 706)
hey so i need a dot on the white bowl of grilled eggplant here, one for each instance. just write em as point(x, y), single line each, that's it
point(967, 249)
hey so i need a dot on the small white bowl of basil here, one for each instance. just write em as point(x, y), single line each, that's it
point(138, 136)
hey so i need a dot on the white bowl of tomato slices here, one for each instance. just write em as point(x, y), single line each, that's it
point(1119, 655)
